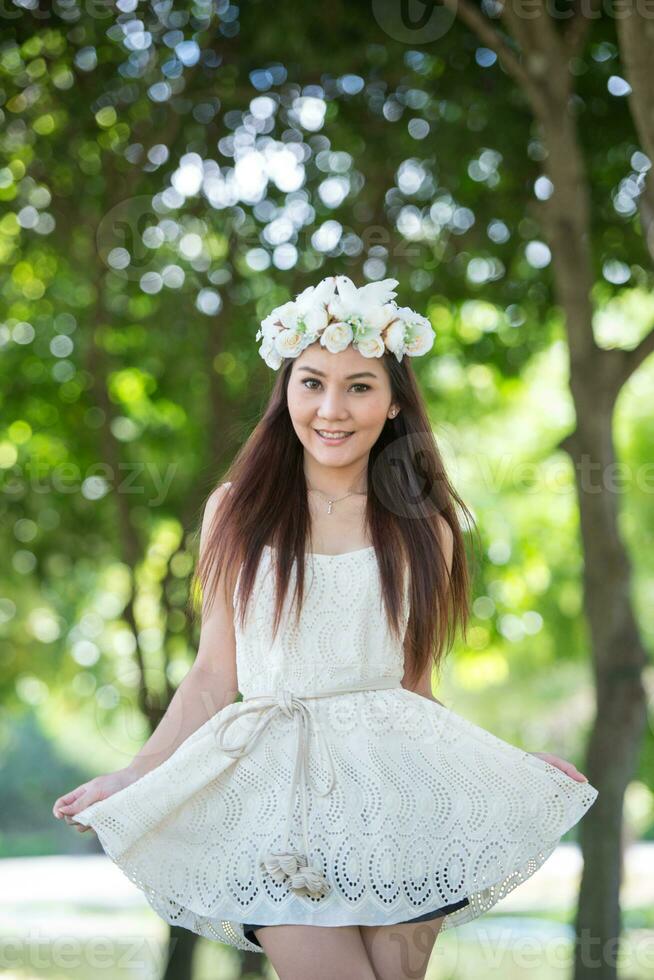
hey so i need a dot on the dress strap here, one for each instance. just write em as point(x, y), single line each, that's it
point(291, 865)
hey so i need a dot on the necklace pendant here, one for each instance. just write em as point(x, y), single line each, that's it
point(329, 508)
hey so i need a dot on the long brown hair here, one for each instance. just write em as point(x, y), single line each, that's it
point(408, 495)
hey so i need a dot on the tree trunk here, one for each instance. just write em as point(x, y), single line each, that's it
point(636, 36)
point(618, 656)
point(596, 376)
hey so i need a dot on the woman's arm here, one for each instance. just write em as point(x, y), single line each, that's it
point(210, 684)
point(423, 684)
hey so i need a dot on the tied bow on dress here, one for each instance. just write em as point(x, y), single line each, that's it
point(289, 865)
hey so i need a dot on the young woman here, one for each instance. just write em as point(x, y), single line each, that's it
point(338, 815)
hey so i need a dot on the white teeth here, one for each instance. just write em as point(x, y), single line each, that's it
point(332, 435)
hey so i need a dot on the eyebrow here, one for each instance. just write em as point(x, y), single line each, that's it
point(359, 374)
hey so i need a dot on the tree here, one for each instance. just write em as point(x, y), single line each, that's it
point(173, 175)
point(541, 57)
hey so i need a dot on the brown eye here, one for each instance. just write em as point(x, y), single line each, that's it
point(357, 384)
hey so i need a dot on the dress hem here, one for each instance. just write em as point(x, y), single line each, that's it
point(480, 900)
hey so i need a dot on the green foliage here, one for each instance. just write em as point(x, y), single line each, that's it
point(140, 247)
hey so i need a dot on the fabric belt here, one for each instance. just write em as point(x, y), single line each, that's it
point(291, 865)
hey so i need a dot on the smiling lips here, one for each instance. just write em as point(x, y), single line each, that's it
point(334, 437)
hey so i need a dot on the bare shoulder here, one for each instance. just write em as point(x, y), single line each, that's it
point(216, 496)
point(211, 508)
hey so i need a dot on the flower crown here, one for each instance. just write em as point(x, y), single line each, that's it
point(337, 313)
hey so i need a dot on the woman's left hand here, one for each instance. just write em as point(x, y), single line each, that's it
point(567, 767)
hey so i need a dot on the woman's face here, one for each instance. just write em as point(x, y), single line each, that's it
point(344, 392)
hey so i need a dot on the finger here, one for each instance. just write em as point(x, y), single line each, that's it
point(69, 798)
point(61, 809)
point(79, 804)
point(67, 807)
point(58, 804)
point(569, 769)
point(72, 822)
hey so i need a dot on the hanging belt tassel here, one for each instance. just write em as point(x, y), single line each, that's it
point(294, 868)
point(303, 878)
point(280, 866)
point(309, 881)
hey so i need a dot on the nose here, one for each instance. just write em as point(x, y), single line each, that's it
point(332, 406)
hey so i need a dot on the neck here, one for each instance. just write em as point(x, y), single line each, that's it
point(336, 481)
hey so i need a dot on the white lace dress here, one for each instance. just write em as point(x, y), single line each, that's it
point(369, 805)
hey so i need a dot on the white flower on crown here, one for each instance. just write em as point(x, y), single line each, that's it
point(338, 313)
point(337, 336)
point(410, 333)
point(372, 345)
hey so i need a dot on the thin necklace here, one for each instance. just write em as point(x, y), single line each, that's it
point(333, 500)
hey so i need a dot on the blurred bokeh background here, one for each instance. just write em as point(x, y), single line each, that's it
point(168, 174)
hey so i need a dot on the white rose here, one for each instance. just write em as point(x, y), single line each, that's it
point(336, 336)
point(419, 335)
point(372, 345)
point(394, 336)
point(421, 339)
point(289, 343)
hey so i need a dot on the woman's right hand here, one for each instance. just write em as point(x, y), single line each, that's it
point(99, 788)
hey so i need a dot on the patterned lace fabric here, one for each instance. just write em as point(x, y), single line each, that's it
point(425, 808)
